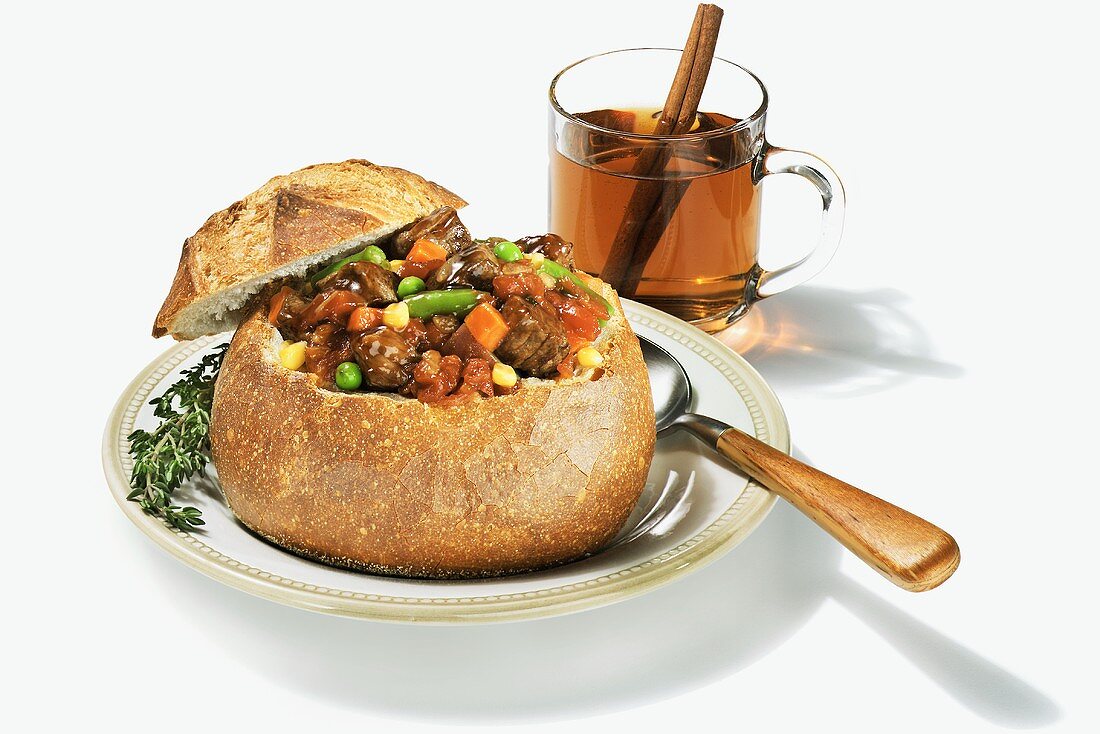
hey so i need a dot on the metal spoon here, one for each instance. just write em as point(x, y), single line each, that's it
point(912, 552)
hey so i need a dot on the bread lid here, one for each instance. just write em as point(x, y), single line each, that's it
point(285, 228)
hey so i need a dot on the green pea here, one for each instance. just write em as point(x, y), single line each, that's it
point(349, 376)
point(507, 251)
point(373, 254)
point(409, 286)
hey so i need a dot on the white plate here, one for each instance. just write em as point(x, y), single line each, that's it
point(694, 509)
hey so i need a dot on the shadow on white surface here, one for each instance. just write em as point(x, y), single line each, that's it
point(982, 686)
point(700, 629)
point(836, 343)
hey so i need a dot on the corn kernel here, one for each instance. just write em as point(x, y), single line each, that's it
point(396, 315)
point(536, 259)
point(293, 355)
point(589, 357)
point(504, 375)
point(396, 265)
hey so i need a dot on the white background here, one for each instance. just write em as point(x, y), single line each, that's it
point(945, 360)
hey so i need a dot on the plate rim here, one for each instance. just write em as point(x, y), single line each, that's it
point(735, 523)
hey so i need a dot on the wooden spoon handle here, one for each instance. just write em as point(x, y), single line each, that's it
point(912, 552)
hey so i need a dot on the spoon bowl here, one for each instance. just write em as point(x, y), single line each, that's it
point(669, 383)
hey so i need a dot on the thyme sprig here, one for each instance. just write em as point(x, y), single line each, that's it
point(179, 447)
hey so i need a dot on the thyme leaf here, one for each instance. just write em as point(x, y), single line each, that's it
point(179, 447)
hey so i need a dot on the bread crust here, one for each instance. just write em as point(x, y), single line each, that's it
point(290, 218)
point(390, 485)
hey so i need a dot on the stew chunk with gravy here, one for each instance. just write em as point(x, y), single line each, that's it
point(433, 314)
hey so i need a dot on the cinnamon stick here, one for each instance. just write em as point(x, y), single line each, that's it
point(655, 198)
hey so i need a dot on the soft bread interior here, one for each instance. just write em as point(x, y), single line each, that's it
point(224, 310)
point(293, 222)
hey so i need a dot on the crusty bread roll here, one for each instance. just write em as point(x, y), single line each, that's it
point(289, 225)
point(382, 483)
point(379, 482)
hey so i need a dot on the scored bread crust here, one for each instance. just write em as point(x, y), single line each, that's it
point(381, 483)
point(287, 226)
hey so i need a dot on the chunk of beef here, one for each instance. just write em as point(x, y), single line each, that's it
point(416, 334)
point(385, 358)
point(536, 340)
point(440, 328)
point(552, 246)
point(285, 317)
point(443, 227)
point(465, 346)
point(333, 305)
point(474, 266)
point(376, 284)
point(326, 347)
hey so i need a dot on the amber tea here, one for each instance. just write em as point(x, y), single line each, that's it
point(705, 255)
point(664, 202)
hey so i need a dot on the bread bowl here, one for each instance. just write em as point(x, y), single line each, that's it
point(393, 476)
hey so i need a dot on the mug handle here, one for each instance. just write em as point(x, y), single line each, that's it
point(824, 178)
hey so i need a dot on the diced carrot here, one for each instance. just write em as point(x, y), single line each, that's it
point(420, 270)
point(424, 250)
point(487, 325)
point(364, 318)
point(277, 305)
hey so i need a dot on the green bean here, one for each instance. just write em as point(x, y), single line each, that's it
point(557, 271)
point(370, 254)
point(459, 302)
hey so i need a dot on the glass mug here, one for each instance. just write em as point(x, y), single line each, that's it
point(690, 248)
